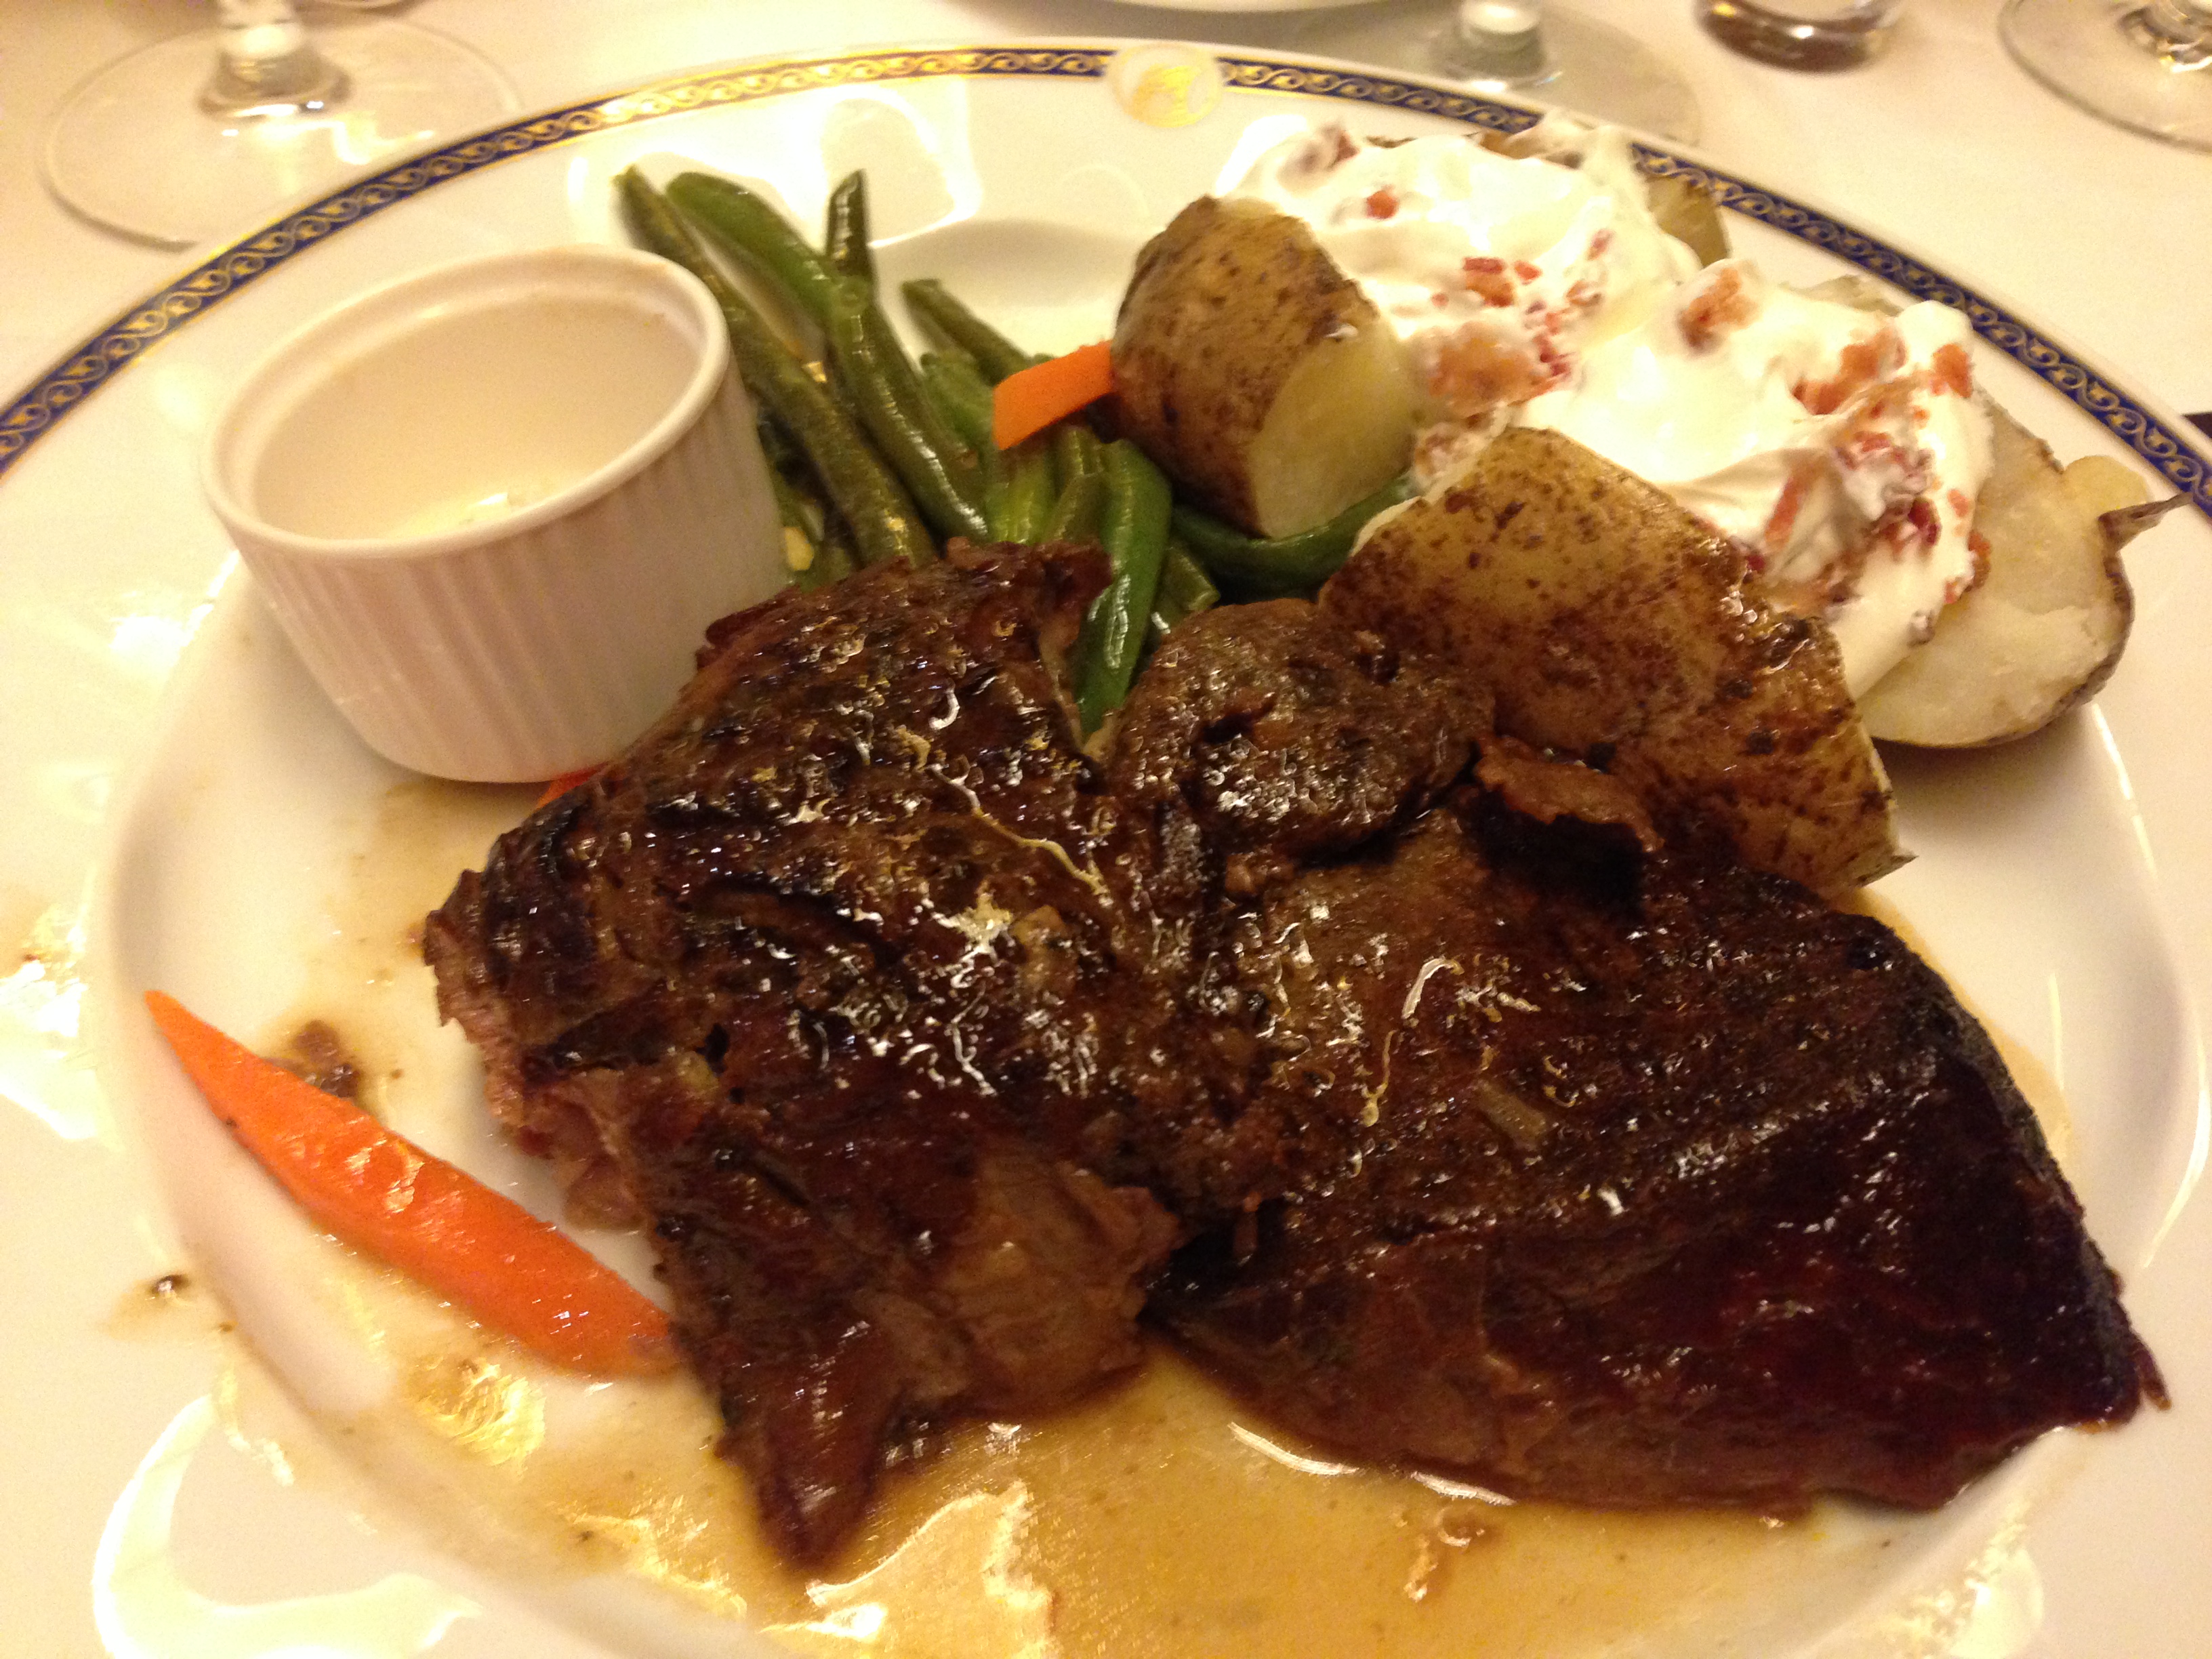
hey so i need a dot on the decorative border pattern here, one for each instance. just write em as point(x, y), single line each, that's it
point(100, 358)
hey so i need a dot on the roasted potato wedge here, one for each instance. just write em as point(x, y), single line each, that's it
point(1256, 373)
point(2045, 629)
point(1613, 624)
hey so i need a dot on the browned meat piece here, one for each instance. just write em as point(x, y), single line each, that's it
point(1261, 741)
point(1620, 1179)
point(1275, 734)
point(1483, 1133)
point(830, 966)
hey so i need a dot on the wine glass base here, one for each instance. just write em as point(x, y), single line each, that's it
point(2093, 53)
point(1591, 67)
point(1788, 42)
point(133, 151)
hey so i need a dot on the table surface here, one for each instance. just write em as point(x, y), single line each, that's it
point(1943, 142)
point(1943, 145)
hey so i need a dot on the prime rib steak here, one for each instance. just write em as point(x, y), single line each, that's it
point(1406, 1074)
point(834, 982)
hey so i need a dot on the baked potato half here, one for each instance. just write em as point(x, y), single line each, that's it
point(1614, 625)
point(1256, 373)
point(2044, 630)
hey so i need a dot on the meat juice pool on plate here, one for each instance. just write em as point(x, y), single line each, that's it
point(1157, 1509)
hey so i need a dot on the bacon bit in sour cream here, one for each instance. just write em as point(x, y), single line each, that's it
point(1487, 278)
point(1472, 372)
point(1952, 371)
point(1861, 364)
point(1784, 518)
point(1382, 203)
point(1714, 308)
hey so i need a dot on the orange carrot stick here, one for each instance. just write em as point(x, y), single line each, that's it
point(1030, 400)
point(560, 786)
point(442, 1226)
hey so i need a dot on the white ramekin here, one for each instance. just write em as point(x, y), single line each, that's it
point(496, 505)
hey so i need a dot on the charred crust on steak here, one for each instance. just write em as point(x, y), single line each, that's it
point(1401, 1072)
point(838, 970)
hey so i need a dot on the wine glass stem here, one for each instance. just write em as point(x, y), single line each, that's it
point(267, 63)
point(2178, 20)
point(2177, 30)
point(1499, 42)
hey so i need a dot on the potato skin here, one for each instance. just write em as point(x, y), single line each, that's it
point(1255, 373)
point(2044, 628)
point(1609, 620)
point(2042, 633)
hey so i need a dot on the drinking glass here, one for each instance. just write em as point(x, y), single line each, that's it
point(1807, 34)
point(1526, 48)
point(193, 135)
point(2146, 66)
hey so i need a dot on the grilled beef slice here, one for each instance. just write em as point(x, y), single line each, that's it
point(1482, 1134)
point(828, 969)
point(1618, 1175)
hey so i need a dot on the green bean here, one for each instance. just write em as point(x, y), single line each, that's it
point(962, 395)
point(1076, 513)
point(872, 372)
point(800, 544)
point(1135, 533)
point(952, 322)
point(904, 380)
point(1287, 564)
point(1022, 509)
point(745, 223)
point(922, 449)
point(1185, 589)
point(834, 560)
point(845, 236)
point(750, 228)
point(962, 399)
point(782, 450)
point(1076, 453)
point(865, 493)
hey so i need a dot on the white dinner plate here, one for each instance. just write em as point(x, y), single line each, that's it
point(374, 1492)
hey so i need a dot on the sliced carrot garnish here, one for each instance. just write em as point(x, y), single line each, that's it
point(560, 786)
point(382, 1194)
point(1030, 400)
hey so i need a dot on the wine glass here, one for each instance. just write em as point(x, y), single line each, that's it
point(2146, 65)
point(1526, 48)
point(180, 140)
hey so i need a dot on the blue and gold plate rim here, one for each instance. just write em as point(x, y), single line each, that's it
point(91, 365)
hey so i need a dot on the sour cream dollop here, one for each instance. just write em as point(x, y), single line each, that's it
point(1497, 273)
point(1842, 448)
